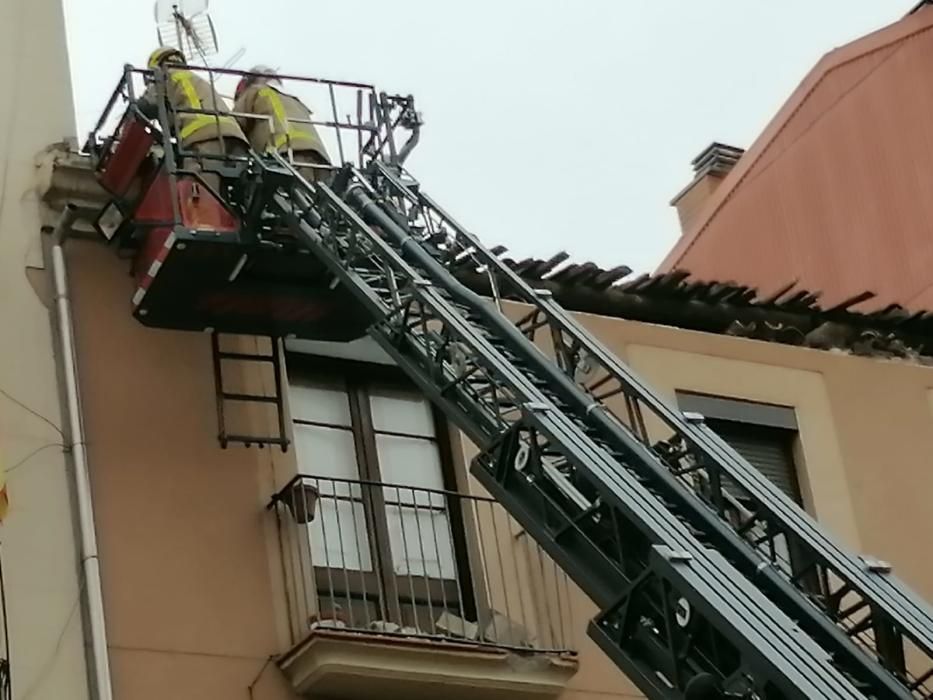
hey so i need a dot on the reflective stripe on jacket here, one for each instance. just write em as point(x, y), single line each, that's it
point(285, 124)
point(186, 90)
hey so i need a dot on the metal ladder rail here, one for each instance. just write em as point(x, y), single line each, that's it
point(887, 599)
point(857, 595)
point(276, 400)
point(915, 684)
point(515, 360)
point(731, 463)
point(822, 678)
point(736, 467)
point(751, 476)
point(898, 616)
point(858, 664)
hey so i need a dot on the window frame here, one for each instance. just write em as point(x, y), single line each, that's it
point(357, 377)
point(759, 417)
point(738, 410)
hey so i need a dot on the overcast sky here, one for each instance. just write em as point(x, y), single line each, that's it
point(550, 124)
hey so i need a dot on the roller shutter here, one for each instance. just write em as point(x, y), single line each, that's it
point(768, 449)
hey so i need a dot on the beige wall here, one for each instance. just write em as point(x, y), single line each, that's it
point(865, 440)
point(186, 544)
point(38, 552)
point(192, 584)
point(189, 557)
point(865, 426)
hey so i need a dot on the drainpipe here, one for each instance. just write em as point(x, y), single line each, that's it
point(93, 597)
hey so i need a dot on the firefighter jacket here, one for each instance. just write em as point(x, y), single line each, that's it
point(187, 90)
point(277, 131)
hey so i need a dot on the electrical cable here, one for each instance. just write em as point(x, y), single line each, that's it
point(252, 686)
point(33, 412)
point(32, 454)
point(43, 674)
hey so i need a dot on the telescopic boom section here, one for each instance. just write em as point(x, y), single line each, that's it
point(877, 629)
point(677, 617)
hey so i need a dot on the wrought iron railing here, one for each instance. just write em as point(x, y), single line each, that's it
point(403, 561)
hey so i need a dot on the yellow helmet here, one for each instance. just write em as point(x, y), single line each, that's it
point(157, 57)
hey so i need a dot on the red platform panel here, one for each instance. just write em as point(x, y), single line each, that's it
point(198, 208)
point(127, 154)
point(199, 211)
point(195, 272)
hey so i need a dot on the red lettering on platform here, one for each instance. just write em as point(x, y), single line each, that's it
point(276, 307)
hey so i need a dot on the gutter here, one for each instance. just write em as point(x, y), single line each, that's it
point(101, 686)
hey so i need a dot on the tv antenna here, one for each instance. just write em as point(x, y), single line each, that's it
point(185, 25)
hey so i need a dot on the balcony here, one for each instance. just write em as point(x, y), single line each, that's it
point(411, 592)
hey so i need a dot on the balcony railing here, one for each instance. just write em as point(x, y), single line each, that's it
point(408, 562)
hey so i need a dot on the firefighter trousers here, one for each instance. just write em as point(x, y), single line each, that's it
point(224, 146)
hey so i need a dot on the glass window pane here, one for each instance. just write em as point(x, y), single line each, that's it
point(409, 462)
point(421, 542)
point(338, 537)
point(327, 452)
point(400, 411)
point(318, 401)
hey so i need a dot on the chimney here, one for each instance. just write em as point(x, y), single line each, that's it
point(709, 169)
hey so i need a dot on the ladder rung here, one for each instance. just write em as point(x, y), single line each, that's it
point(245, 356)
point(250, 397)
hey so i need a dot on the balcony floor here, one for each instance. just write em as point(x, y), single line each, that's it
point(344, 665)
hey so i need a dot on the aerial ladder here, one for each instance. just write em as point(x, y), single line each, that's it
point(710, 581)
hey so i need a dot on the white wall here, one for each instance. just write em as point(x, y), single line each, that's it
point(38, 543)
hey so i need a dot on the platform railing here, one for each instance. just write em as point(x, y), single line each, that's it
point(392, 560)
point(357, 124)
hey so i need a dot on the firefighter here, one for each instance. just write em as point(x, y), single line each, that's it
point(285, 127)
point(200, 133)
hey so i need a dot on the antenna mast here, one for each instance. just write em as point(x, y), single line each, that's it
point(186, 25)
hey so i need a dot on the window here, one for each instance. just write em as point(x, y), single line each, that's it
point(764, 434)
point(385, 551)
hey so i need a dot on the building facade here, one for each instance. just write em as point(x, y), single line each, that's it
point(365, 559)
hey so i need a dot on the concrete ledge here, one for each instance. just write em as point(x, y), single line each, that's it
point(359, 666)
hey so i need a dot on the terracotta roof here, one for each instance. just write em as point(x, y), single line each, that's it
point(834, 190)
